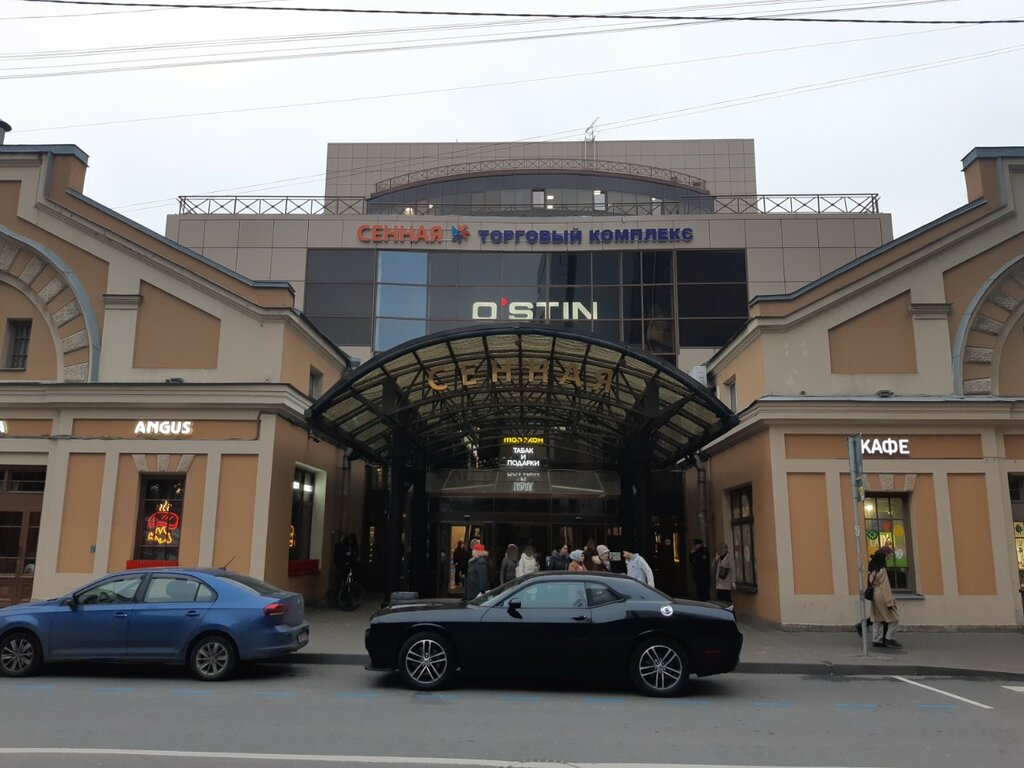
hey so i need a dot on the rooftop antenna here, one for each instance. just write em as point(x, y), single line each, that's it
point(590, 141)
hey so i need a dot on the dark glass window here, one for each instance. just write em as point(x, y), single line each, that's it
point(659, 336)
point(27, 481)
point(338, 300)
point(633, 333)
point(479, 269)
point(120, 590)
point(742, 513)
point(714, 300)
point(334, 265)
point(402, 267)
point(16, 349)
point(607, 302)
point(711, 267)
point(176, 589)
point(606, 268)
point(160, 517)
point(570, 269)
point(607, 329)
point(402, 301)
point(344, 331)
point(444, 268)
point(443, 303)
point(391, 333)
point(708, 333)
point(658, 301)
point(570, 293)
point(523, 268)
point(467, 296)
point(632, 270)
point(632, 302)
point(303, 490)
point(657, 267)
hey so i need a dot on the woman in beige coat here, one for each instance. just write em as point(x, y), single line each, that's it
point(884, 616)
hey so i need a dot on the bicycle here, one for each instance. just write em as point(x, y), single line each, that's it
point(350, 594)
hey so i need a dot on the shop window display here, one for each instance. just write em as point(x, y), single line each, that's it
point(886, 523)
point(160, 518)
point(303, 487)
point(742, 514)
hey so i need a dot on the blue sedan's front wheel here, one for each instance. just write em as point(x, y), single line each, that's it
point(20, 655)
point(213, 658)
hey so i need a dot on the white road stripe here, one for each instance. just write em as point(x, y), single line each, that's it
point(944, 693)
point(460, 761)
point(1015, 688)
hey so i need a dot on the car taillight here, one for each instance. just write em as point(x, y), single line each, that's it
point(275, 609)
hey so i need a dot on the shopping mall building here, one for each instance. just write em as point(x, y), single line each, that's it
point(530, 343)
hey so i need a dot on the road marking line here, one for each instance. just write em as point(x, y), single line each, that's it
point(355, 695)
point(192, 693)
point(690, 702)
point(771, 704)
point(944, 693)
point(365, 759)
point(945, 707)
point(274, 694)
point(604, 699)
point(112, 689)
point(36, 686)
point(520, 697)
point(855, 706)
point(1015, 688)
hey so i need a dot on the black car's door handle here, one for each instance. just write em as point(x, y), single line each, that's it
point(192, 614)
point(579, 618)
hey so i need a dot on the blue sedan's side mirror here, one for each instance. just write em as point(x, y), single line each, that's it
point(70, 601)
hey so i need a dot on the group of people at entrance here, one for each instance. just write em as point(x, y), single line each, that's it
point(473, 569)
point(703, 568)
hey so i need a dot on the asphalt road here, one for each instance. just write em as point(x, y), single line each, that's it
point(309, 715)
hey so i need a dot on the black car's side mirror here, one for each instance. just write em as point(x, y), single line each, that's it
point(514, 606)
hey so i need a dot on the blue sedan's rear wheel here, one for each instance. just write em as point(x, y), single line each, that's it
point(426, 662)
point(213, 658)
point(659, 667)
point(20, 655)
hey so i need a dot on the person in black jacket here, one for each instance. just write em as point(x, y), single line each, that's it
point(508, 565)
point(478, 572)
point(700, 567)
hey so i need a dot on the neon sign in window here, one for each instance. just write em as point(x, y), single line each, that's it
point(160, 517)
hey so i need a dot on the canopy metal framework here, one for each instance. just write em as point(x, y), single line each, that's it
point(452, 394)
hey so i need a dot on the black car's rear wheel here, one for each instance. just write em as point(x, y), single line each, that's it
point(659, 667)
point(213, 658)
point(20, 655)
point(426, 662)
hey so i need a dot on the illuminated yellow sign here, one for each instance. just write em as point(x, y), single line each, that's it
point(291, 537)
point(473, 373)
point(161, 523)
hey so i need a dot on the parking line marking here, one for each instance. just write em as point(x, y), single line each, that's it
point(771, 704)
point(192, 693)
point(1015, 688)
point(36, 686)
point(112, 689)
point(604, 699)
point(940, 707)
point(436, 697)
point(690, 702)
point(944, 693)
point(274, 694)
point(520, 697)
point(855, 706)
point(355, 695)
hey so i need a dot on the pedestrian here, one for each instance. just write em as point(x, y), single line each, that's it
point(589, 553)
point(637, 568)
point(700, 566)
point(478, 572)
point(527, 562)
point(725, 580)
point(576, 560)
point(346, 553)
point(603, 559)
point(459, 559)
point(884, 616)
point(508, 564)
point(560, 559)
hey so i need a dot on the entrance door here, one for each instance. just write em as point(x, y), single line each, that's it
point(19, 534)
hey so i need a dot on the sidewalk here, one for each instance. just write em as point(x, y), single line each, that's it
point(336, 637)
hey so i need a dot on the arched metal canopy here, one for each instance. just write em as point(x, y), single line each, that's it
point(455, 395)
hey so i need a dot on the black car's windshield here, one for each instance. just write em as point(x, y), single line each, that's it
point(495, 595)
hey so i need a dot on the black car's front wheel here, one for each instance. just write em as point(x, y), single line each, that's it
point(213, 658)
point(426, 662)
point(20, 655)
point(659, 667)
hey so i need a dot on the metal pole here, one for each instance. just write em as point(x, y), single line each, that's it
point(857, 489)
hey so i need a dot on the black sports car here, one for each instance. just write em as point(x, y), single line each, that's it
point(583, 625)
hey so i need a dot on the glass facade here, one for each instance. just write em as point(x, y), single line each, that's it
point(535, 192)
point(658, 300)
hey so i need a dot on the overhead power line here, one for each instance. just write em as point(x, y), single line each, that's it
point(518, 15)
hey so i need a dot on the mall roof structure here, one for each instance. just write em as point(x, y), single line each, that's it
point(452, 396)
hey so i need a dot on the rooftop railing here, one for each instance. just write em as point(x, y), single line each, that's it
point(546, 164)
point(698, 204)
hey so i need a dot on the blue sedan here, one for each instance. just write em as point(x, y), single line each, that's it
point(207, 618)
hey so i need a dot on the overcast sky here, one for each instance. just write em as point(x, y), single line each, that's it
point(858, 121)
